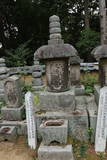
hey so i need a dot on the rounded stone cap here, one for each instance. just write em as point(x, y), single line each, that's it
point(55, 51)
point(75, 60)
point(54, 18)
point(100, 52)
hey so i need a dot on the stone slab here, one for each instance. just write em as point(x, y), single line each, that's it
point(13, 114)
point(8, 133)
point(53, 133)
point(56, 101)
point(13, 93)
point(31, 121)
point(55, 152)
point(101, 128)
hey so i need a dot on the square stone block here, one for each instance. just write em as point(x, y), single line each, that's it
point(54, 131)
point(8, 133)
point(55, 152)
point(13, 114)
point(56, 101)
point(37, 82)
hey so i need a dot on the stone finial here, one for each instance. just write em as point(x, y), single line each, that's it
point(55, 30)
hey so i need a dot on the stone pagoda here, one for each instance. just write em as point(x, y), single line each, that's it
point(56, 57)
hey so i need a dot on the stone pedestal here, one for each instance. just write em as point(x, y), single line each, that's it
point(56, 101)
point(13, 114)
point(55, 152)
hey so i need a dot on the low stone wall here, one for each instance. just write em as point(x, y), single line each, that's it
point(28, 69)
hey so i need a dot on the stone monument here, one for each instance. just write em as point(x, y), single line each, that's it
point(31, 125)
point(56, 57)
point(101, 129)
point(14, 109)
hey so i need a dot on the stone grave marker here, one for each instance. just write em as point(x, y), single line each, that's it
point(31, 126)
point(101, 129)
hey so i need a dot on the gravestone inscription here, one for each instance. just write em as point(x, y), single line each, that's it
point(31, 126)
point(101, 129)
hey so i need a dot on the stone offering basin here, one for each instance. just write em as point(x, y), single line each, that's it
point(8, 133)
point(53, 123)
point(54, 131)
point(5, 130)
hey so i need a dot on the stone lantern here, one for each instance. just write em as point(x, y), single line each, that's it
point(100, 53)
point(56, 57)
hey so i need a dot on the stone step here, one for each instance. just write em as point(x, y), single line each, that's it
point(8, 133)
point(55, 152)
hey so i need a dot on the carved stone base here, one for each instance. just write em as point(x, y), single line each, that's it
point(13, 114)
point(55, 152)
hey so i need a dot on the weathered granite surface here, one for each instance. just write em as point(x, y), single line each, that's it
point(13, 114)
point(13, 93)
point(100, 52)
point(8, 133)
point(55, 152)
point(51, 133)
point(56, 101)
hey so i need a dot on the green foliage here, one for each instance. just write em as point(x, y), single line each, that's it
point(36, 99)
point(90, 134)
point(18, 57)
point(89, 82)
point(102, 156)
point(2, 103)
point(83, 149)
point(26, 88)
point(21, 20)
point(89, 39)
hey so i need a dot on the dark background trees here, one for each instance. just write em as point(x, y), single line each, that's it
point(23, 20)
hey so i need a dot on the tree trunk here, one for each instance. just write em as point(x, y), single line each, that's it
point(103, 21)
point(87, 17)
